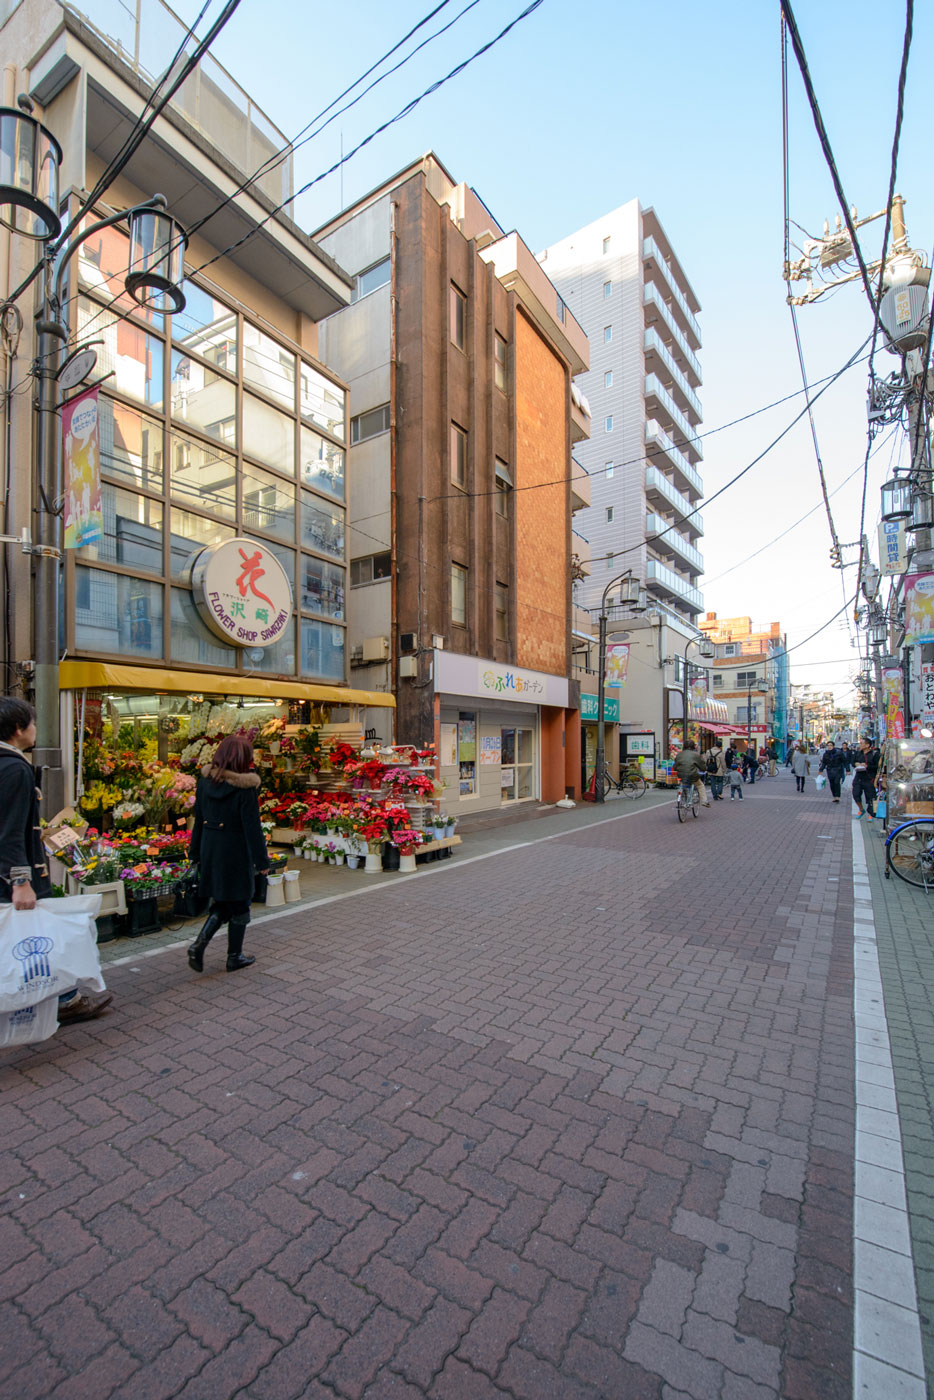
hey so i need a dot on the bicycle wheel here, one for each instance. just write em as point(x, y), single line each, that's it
point(695, 802)
point(607, 784)
point(909, 853)
point(680, 806)
point(634, 787)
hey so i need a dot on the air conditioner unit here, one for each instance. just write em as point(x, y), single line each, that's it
point(356, 655)
point(408, 667)
point(437, 642)
point(408, 641)
point(376, 648)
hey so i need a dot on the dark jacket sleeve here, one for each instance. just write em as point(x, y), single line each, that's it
point(256, 841)
point(194, 849)
point(17, 792)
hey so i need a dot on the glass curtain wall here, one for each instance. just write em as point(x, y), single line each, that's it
point(210, 428)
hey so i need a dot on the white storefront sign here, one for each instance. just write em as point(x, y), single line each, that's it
point(242, 593)
point(893, 547)
point(477, 677)
point(927, 693)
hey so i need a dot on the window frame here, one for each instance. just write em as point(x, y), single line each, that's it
point(458, 444)
point(460, 576)
point(457, 317)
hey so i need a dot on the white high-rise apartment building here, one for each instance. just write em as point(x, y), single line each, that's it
point(623, 282)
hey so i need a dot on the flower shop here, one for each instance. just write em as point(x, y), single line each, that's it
point(331, 794)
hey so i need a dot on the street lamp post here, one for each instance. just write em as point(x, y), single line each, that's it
point(759, 691)
point(707, 650)
point(635, 600)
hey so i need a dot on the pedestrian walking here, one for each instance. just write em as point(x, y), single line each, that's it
point(832, 763)
point(716, 771)
point(24, 876)
point(750, 764)
point(736, 783)
point(866, 768)
point(729, 758)
point(800, 766)
point(227, 843)
point(689, 770)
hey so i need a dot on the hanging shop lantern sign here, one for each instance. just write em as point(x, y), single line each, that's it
point(242, 593)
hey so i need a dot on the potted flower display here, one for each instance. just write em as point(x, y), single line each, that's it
point(406, 841)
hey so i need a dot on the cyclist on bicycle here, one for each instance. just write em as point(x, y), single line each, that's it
point(689, 770)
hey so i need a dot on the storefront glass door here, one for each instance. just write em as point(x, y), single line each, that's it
point(517, 773)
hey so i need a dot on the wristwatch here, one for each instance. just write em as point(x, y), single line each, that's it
point(20, 880)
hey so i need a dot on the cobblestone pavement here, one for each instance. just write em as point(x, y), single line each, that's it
point(904, 921)
point(566, 1122)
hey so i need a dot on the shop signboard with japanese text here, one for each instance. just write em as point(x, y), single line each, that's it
point(84, 518)
point(919, 609)
point(589, 709)
point(927, 694)
point(242, 592)
point(893, 547)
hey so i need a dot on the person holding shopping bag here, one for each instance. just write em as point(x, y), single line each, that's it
point(228, 844)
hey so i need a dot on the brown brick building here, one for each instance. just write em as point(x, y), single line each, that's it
point(459, 354)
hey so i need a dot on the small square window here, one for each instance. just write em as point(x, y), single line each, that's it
point(607, 290)
point(609, 469)
point(608, 379)
point(458, 456)
point(607, 334)
point(499, 362)
point(606, 245)
point(608, 423)
point(609, 514)
point(458, 317)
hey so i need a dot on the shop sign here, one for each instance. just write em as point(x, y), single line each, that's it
point(491, 746)
point(610, 708)
point(487, 679)
point(617, 664)
point(893, 547)
point(242, 593)
point(84, 519)
point(927, 693)
point(919, 609)
point(640, 743)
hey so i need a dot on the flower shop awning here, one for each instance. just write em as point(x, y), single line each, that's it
point(103, 675)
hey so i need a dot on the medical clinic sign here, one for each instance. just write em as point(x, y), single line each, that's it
point(242, 593)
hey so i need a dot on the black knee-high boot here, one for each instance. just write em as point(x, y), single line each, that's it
point(236, 931)
point(196, 950)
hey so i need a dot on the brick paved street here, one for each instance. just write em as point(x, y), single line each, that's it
point(571, 1121)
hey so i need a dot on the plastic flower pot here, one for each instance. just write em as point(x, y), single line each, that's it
point(407, 863)
point(374, 863)
point(390, 856)
point(353, 862)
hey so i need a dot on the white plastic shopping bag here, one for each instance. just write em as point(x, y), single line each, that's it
point(820, 782)
point(48, 950)
point(29, 1023)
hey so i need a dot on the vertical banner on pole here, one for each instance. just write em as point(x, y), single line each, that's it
point(894, 718)
point(617, 664)
point(927, 694)
point(84, 520)
point(893, 547)
point(699, 691)
point(919, 609)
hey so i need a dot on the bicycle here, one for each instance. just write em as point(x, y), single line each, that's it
point(631, 784)
point(688, 801)
point(909, 852)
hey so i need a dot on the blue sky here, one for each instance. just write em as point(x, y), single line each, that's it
point(581, 108)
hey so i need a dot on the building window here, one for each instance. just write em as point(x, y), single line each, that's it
point(608, 470)
point(745, 678)
point(609, 514)
point(499, 362)
point(609, 559)
point(728, 649)
point(717, 679)
point(370, 569)
point(368, 281)
point(458, 595)
point(502, 612)
point(458, 317)
point(608, 423)
point(608, 379)
point(607, 334)
point(747, 714)
point(369, 424)
point(607, 290)
point(458, 456)
point(606, 245)
point(503, 482)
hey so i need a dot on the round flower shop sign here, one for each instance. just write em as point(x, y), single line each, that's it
point(242, 592)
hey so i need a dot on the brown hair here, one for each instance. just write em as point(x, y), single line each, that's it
point(234, 755)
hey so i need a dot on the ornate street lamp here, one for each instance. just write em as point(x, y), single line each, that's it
point(633, 597)
point(896, 499)
point(157, 258)
point(30, 158)
point(922, 512)
point(708, 651)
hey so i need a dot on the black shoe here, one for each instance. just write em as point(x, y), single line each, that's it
point(196, 950)
point(235, 935)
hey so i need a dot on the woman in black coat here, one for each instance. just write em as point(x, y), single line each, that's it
point(228, 844)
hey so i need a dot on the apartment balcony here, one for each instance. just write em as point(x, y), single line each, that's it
point(580, 415)
point(666, 581)
point(657, 264)
point(688, 478)
point(580, 486)
point(581, 552)
point(658, 311)
point(654, 388)
point(658, 487)
point(655, 347)
point(671, 542)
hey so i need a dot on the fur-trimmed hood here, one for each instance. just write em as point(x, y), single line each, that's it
point(237, 780)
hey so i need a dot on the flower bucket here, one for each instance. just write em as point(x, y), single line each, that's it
point(298, 850)
point(374, 863)
point(338, 857)
point(390, 856)
point(275, 894)
point(407, 864)
point(353, 862)
point(291, 887)
point(142, 915)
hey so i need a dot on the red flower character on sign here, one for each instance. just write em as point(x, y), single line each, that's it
point(252, 572)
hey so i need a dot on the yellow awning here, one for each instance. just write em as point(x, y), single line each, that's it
point(104, 675)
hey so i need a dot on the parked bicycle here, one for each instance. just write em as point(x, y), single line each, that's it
point(688, 801)
point(631, 783)
point(909, 852)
